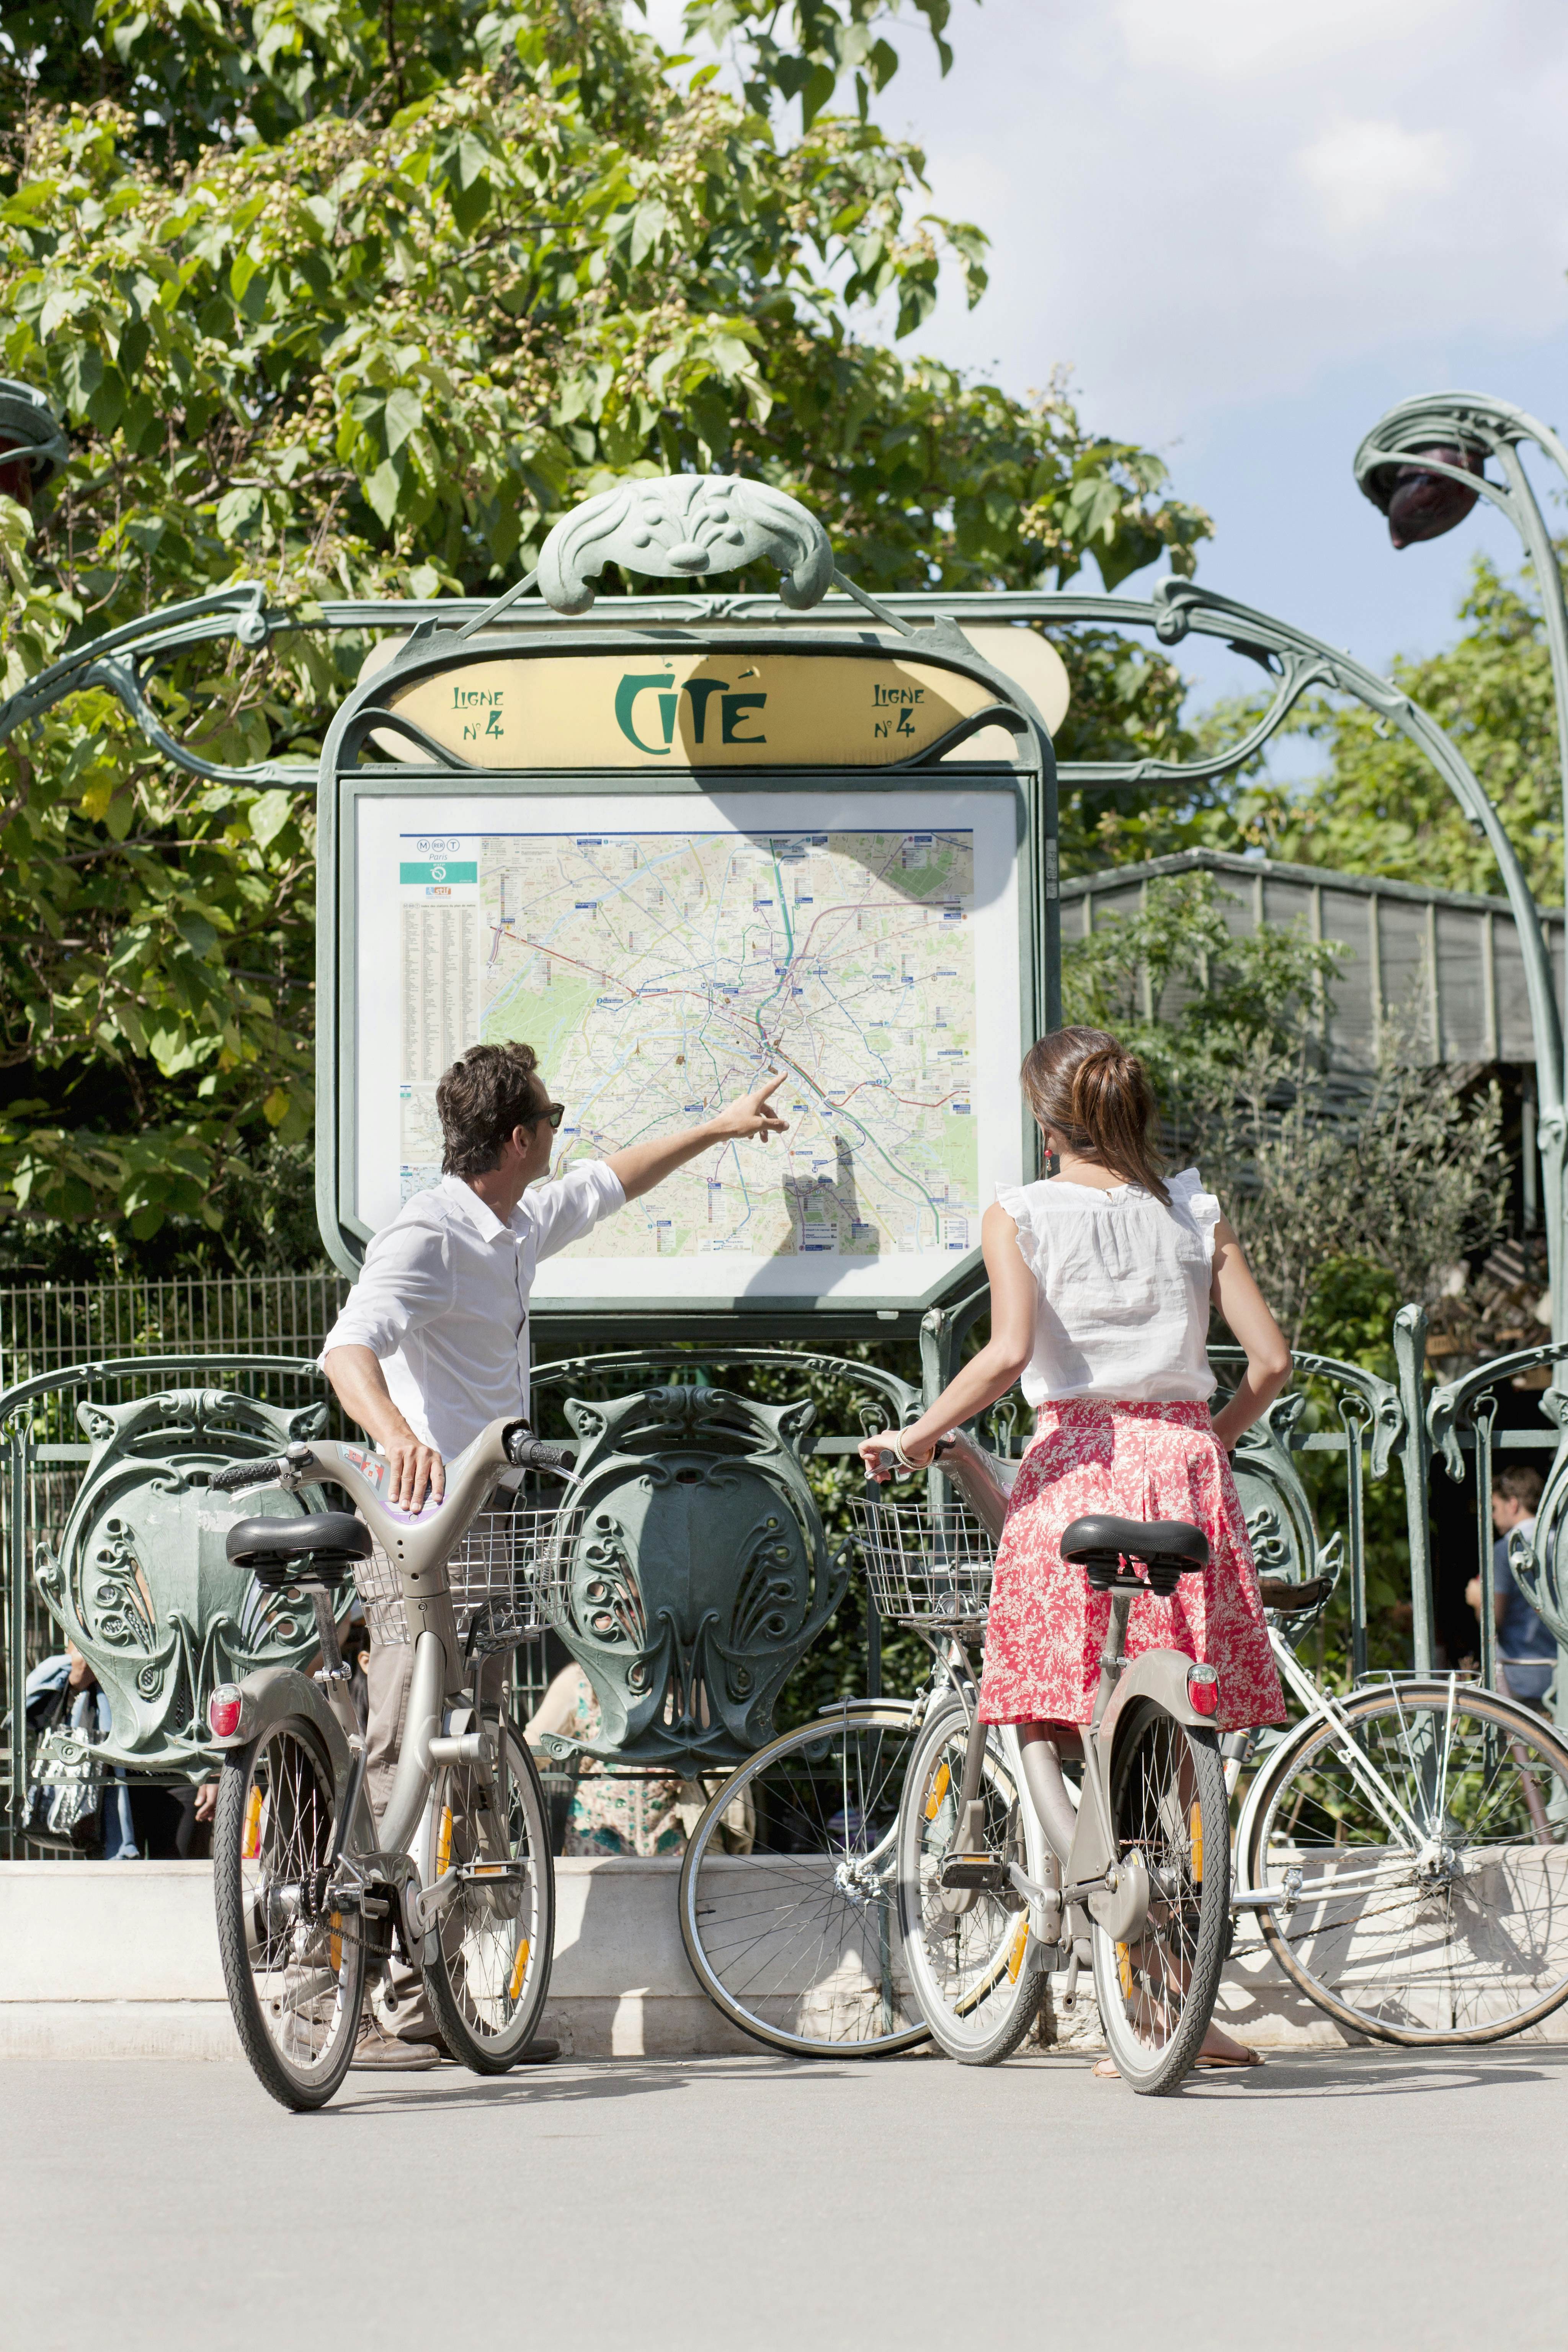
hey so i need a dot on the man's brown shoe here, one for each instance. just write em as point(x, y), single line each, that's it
point(384, 2054)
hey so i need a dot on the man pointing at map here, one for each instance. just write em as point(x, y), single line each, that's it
point(433, 1343)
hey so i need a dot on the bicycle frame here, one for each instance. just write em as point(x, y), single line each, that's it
point(442, 1726)
point(1098, 1883)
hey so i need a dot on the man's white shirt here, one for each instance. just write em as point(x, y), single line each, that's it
point(443, 1299)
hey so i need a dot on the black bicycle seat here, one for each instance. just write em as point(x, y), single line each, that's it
point(323, 1545)
point(1167, 1548)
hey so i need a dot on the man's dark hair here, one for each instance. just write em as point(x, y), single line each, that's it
point(479, 1101)
point(1520, 1483)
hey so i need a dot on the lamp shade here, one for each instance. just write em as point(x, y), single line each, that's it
point(1418, 503)
point(33, 445)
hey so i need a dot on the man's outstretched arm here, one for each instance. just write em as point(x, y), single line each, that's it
point(644, 1165)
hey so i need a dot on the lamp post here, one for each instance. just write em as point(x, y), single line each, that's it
point(1423, 465)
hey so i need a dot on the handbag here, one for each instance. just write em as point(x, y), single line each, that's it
point(64, 1799)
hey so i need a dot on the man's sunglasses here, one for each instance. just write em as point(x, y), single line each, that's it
point(554, 1112)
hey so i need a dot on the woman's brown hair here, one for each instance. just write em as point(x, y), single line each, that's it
point(1087, 1089)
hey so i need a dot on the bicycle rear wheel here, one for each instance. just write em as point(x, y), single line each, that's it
point(977, 1977)
point(492, 1971)
point(1418, 1854)
point(788, 1893)
point(292, 1959)
point(1156, 1990)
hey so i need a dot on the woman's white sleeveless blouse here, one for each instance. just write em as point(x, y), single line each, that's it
point(1123, 1287)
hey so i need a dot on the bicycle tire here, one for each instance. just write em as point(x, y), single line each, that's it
point(1167, 1803)
point(978, 1974)
point(1509, 1983)
point(272, 1835)
point(796, 1940)
point(488, 1984)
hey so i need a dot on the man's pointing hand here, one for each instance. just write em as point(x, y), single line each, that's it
point(753, 1115)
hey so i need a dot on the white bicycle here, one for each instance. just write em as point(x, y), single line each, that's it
point(311, 1895)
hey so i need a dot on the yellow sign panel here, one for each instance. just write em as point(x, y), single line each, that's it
point(696, 711)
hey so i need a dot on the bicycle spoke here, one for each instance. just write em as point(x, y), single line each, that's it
point(1462, 1935)
point(795, 1934)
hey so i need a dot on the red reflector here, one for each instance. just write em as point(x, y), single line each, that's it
point(223, 1710)
point(1202, 1689)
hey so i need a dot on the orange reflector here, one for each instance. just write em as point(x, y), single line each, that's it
point(939, 1788)
point(1020, 1943)
point(1195, 1826)
point(1124, 1970)
point(335, 1943)
point(251, 1845)
point(444, 1840)
point(520, 1970)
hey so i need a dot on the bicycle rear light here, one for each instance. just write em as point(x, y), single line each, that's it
point(224, 1708)
point(1202, 1689)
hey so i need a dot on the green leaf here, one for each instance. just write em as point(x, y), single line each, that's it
point(384, 490)
point(403, 413)
point(269, 813)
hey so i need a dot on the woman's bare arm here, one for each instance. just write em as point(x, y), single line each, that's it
point(1236, 1293)
point(992, 1373)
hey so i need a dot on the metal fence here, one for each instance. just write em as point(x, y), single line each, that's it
point(45, 1327)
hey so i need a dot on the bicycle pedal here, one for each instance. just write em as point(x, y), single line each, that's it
point(972, 1870)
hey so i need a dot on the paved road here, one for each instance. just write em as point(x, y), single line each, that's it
point(1376, 2199)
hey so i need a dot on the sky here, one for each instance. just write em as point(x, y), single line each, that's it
point(1249, 226)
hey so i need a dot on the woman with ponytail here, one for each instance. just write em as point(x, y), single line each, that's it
point(1102, 1277)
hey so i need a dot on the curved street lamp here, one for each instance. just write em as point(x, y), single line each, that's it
point(1423, 466)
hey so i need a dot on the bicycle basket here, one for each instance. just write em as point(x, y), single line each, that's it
point(924, 1566)
point(496, 1574)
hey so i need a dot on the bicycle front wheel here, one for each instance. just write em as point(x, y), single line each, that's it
point(977, 1977)
point(292, 1957)
point(1416, 1849)
point(489, 1840)
point(1156, 1990)
point(788, 1891)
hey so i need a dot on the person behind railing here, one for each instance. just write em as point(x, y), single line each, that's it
point(1102, 1281)
point(433, 1342)
point(1526, 1649)
point(130, 1820)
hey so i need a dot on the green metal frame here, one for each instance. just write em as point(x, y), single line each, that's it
point(1029, 783)
point(688, 618)
point(1494, 429)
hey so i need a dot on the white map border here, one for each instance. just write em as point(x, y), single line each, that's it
point(384, 820)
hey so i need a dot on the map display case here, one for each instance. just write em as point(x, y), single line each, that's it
point(677, 850)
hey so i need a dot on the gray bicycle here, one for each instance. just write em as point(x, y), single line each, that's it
point(312, 1895)
point(1009, 1872)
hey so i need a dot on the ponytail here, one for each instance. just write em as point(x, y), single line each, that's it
point(1096, 1095)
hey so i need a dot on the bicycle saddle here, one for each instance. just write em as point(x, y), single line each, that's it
point(323, 1545)
point(1168, 1549)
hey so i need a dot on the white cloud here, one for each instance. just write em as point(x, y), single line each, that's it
point(1241, 39)
point(1196, 201)
point(1363, 171)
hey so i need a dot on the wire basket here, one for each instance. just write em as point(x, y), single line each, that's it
point(497, 1575)
point(925, 1566)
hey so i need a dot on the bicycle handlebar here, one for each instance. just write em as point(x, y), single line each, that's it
point(248, 1474)
point(532, 1453)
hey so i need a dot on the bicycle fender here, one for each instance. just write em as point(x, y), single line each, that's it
point(1160, 1675)
point(272, 1694)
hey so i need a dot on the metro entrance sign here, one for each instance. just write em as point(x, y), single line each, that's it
point(674, 855)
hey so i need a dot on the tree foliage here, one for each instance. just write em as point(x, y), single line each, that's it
point(1333, 1186)
point(355, 299)
point(1377, 805)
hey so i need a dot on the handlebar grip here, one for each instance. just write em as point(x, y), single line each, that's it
point(532, 1453)
point(246, 1474)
